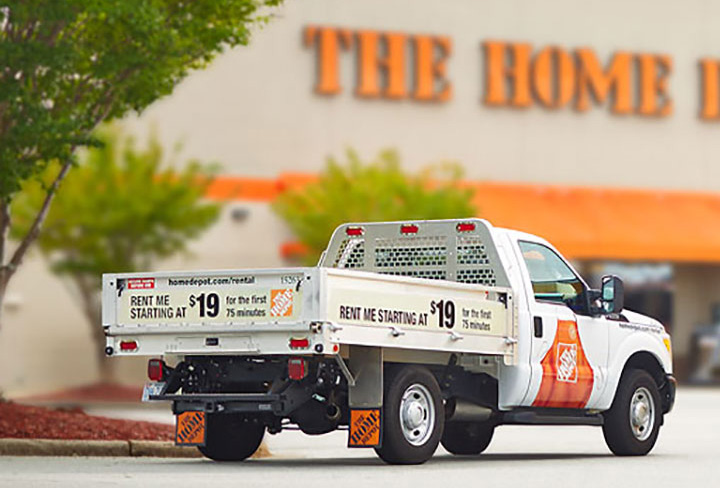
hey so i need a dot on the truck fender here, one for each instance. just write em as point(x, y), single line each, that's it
point(637, 350)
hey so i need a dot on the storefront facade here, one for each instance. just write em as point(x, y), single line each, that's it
point(595, 125)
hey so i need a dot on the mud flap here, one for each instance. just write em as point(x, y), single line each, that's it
point(365, 428)
point(366, 397)
point(190, 429)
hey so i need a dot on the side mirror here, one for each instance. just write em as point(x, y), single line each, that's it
point(613, 294)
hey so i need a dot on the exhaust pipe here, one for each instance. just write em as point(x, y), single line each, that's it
point(332, 412)
point(457, 410)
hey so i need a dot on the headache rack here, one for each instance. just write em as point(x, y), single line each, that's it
point(454, 250)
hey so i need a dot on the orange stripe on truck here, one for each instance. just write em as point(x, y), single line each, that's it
point(567, 376)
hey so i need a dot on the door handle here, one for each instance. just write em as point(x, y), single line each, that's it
point(538, 326)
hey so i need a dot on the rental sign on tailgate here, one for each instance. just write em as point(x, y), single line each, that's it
point(208, 300)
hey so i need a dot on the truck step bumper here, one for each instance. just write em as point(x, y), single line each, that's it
point(276, 404)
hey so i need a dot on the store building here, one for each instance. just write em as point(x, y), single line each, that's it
point(593, 125)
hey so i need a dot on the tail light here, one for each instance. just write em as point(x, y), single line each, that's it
point(128, 346)
point(297, 368)
point(409, 229)
point(465, 227)
point(156, 369)
point(303, 343)
point(354, 231)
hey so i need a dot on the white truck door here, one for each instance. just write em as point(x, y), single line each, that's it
point(569, 347)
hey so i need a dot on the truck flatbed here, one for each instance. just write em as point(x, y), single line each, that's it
point(264, 311)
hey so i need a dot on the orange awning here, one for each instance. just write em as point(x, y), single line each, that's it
point(583, 222)
point(246, 189)
point(604, 223)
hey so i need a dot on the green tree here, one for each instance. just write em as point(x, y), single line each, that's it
point(378, 191)
point(66, 66)
point(120, 210)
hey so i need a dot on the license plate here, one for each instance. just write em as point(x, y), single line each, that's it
point(152, 388)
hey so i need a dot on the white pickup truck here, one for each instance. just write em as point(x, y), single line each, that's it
point(407, 335)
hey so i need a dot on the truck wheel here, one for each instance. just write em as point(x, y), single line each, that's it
point(231, 437)
point(633, 422)
point(413, 410)
point(467, 438)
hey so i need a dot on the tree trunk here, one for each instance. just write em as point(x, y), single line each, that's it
point(8, 270)
point(4, 271)
point(3, 287)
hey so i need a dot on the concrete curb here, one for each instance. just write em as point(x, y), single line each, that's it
point(161, 449)
point(54, 447)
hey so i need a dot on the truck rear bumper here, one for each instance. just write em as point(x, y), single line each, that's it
point(276, 404)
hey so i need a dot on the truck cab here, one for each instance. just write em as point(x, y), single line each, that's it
point(575, 341)
point(406, 334)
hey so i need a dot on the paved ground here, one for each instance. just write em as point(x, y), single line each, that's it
point(687, 454)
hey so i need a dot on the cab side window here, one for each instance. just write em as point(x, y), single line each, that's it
point(551, 278)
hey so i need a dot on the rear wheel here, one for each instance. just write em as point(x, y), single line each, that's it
point(412, 415)
point(231, 437)
point(467, 438)
point(633, 422)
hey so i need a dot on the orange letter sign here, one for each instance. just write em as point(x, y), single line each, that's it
point(591, 77)
point(370, 64)
point(498, 74)
point(429, 70)
point(554, 77)
point(710, 73)
point(329, 41)
point(654, 72)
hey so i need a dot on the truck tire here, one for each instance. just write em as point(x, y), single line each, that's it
point(467, 438)
point(231, 437)
point(633, 422)
point(413, 413)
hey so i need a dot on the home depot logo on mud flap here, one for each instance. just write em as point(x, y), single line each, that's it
point(281, 303)
point(364, 428)
point(567, 370)
point(190, 429)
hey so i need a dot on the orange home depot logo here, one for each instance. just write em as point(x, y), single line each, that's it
point(567, 370)
point(190, 429)
point(364, 428)
point(281, 303)
point(567, 376)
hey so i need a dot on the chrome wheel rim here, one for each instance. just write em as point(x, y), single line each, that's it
point(417, 414)
point(642, 414)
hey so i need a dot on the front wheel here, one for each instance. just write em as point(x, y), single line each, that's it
point(632, 424)
point(413, 414)
point(231, 437)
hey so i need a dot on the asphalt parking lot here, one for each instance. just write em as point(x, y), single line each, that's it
point(687, 454)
